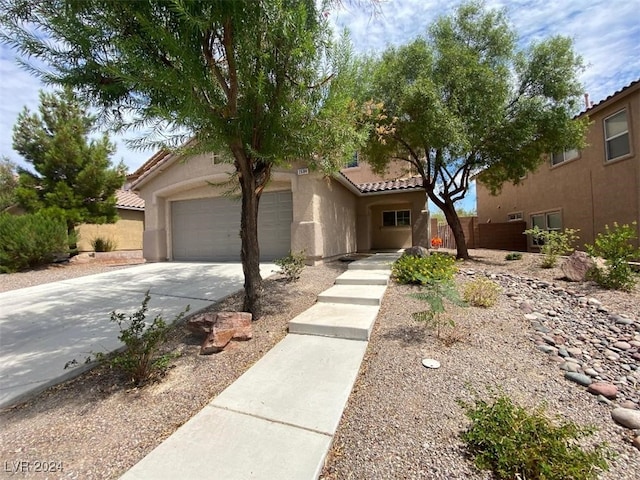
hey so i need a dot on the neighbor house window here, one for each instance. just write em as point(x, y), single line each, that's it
point(396, 218)
point(549, 221)
point(514, 217)
point(616, 135)
point(354, 161)
point(564, 156)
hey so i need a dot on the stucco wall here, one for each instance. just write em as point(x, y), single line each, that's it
point(324, 218)
point(126, 232)
point(588, 191)
point(364, 174)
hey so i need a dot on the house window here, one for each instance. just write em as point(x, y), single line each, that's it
point(354, 161)
point(550, 221)
point(396, 218)
point(616, 135)
point(514, 217)
point(564, 156)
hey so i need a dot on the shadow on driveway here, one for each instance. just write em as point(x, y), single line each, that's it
point(44, 327)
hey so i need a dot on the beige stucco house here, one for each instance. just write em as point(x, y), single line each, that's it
point(188, 216)
point(585, 189)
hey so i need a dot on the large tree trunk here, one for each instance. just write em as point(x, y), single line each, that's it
point(250, 250)
point(453, 220)
point(253, 177)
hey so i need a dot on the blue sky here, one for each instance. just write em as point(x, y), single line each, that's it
point(606, 34)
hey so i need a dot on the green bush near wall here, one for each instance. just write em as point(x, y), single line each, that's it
point(30, 240)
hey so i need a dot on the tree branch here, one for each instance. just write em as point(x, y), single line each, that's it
point(227, 41)
point(207, 47)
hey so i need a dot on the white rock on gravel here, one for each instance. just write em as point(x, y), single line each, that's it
point(626, 417)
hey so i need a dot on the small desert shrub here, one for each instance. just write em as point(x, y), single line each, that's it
point(27, 241)
point(292, 265)
point(513, 256)
point(100, 244)
point(481, 292)
point(141, 361)
point(422, 270)
point(553, 243)
point(514, 443)
point(435, 292)
point(615, 247)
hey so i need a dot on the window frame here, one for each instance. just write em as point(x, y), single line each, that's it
point(517, 216)
point(564, 157)
point(395, 218)
point(613, 137)
point(354, 162)
point(537, 243)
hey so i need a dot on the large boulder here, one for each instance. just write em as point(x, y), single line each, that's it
point(575, 267)
point(416, 251)
point(220, 328)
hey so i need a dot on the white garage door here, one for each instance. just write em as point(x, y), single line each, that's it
point(209, 228)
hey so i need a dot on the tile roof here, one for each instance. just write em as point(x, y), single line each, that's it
point(412, 183)
point(615, 94)
point(128, 200)
point(389, 185)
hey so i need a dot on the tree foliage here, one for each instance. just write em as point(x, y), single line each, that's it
point(72, 176)
point(464, 99)
point(257, 79)
point(8, 183)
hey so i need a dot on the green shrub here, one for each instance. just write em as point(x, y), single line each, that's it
point(435, 292)
point(100, 244)
point(481, 292)
point(292, 265)
point(553, 243)
point(27, 241)
point(420, 271)
point(615, 247)
point(141, 361)
point(513, 256)
point(513, 443)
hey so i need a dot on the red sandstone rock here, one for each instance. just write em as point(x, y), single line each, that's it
point(605, 389)
point(575, 267)
point(220, 328)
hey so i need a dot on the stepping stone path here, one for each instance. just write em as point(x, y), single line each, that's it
point(592, 346)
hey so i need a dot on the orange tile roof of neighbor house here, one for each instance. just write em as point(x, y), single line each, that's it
point(128, 200)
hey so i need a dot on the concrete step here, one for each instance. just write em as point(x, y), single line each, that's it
point(380, 261)
point(364, 277)
point(340, 320)
point(353, 294)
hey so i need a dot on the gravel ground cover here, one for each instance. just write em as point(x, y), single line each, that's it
point(93, 427)
point(402, 419)
point(57, 272)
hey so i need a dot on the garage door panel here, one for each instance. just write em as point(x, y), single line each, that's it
point(208, 228)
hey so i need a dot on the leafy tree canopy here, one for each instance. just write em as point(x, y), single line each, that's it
point(72, 175)
point(464, 99)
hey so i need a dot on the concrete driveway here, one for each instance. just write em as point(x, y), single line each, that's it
point(44, 327)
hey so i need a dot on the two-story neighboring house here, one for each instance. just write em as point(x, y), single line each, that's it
point(585, 189)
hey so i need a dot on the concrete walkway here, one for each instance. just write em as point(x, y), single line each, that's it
point(277, 421)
